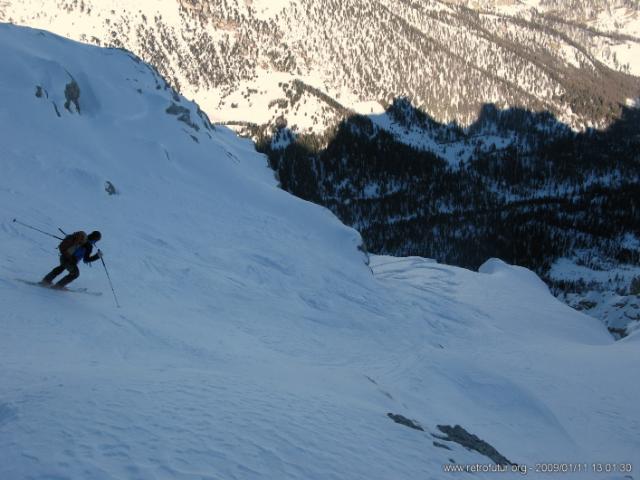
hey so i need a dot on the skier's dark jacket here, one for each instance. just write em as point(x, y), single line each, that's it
point(83, 252)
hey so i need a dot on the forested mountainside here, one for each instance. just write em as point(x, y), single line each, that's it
point(530, 190)
point(572, 59)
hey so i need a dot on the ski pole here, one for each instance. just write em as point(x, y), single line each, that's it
point(109, 278)
point(62, 231)
point(36, 229)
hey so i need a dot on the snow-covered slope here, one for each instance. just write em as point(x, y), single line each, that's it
point(253, 340)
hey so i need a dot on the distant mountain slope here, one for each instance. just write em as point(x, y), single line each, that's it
point(253, 340)
point(234, 56)
point(516, 184)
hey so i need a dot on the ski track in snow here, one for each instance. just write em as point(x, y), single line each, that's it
point(253, 341)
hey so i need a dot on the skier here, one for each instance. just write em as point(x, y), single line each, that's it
point(73, 248)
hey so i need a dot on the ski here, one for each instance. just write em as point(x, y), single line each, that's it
point(65, 289)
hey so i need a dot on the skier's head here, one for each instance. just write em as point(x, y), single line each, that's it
point(94, 236)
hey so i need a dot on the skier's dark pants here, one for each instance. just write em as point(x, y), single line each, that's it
point(65, 264)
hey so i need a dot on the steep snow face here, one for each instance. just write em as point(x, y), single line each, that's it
point(253, 341)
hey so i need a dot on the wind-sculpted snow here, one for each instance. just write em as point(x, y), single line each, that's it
point(253, 340)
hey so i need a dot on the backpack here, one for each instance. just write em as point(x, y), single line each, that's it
point(71, 243)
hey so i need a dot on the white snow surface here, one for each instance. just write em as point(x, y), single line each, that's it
point(253, 341)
